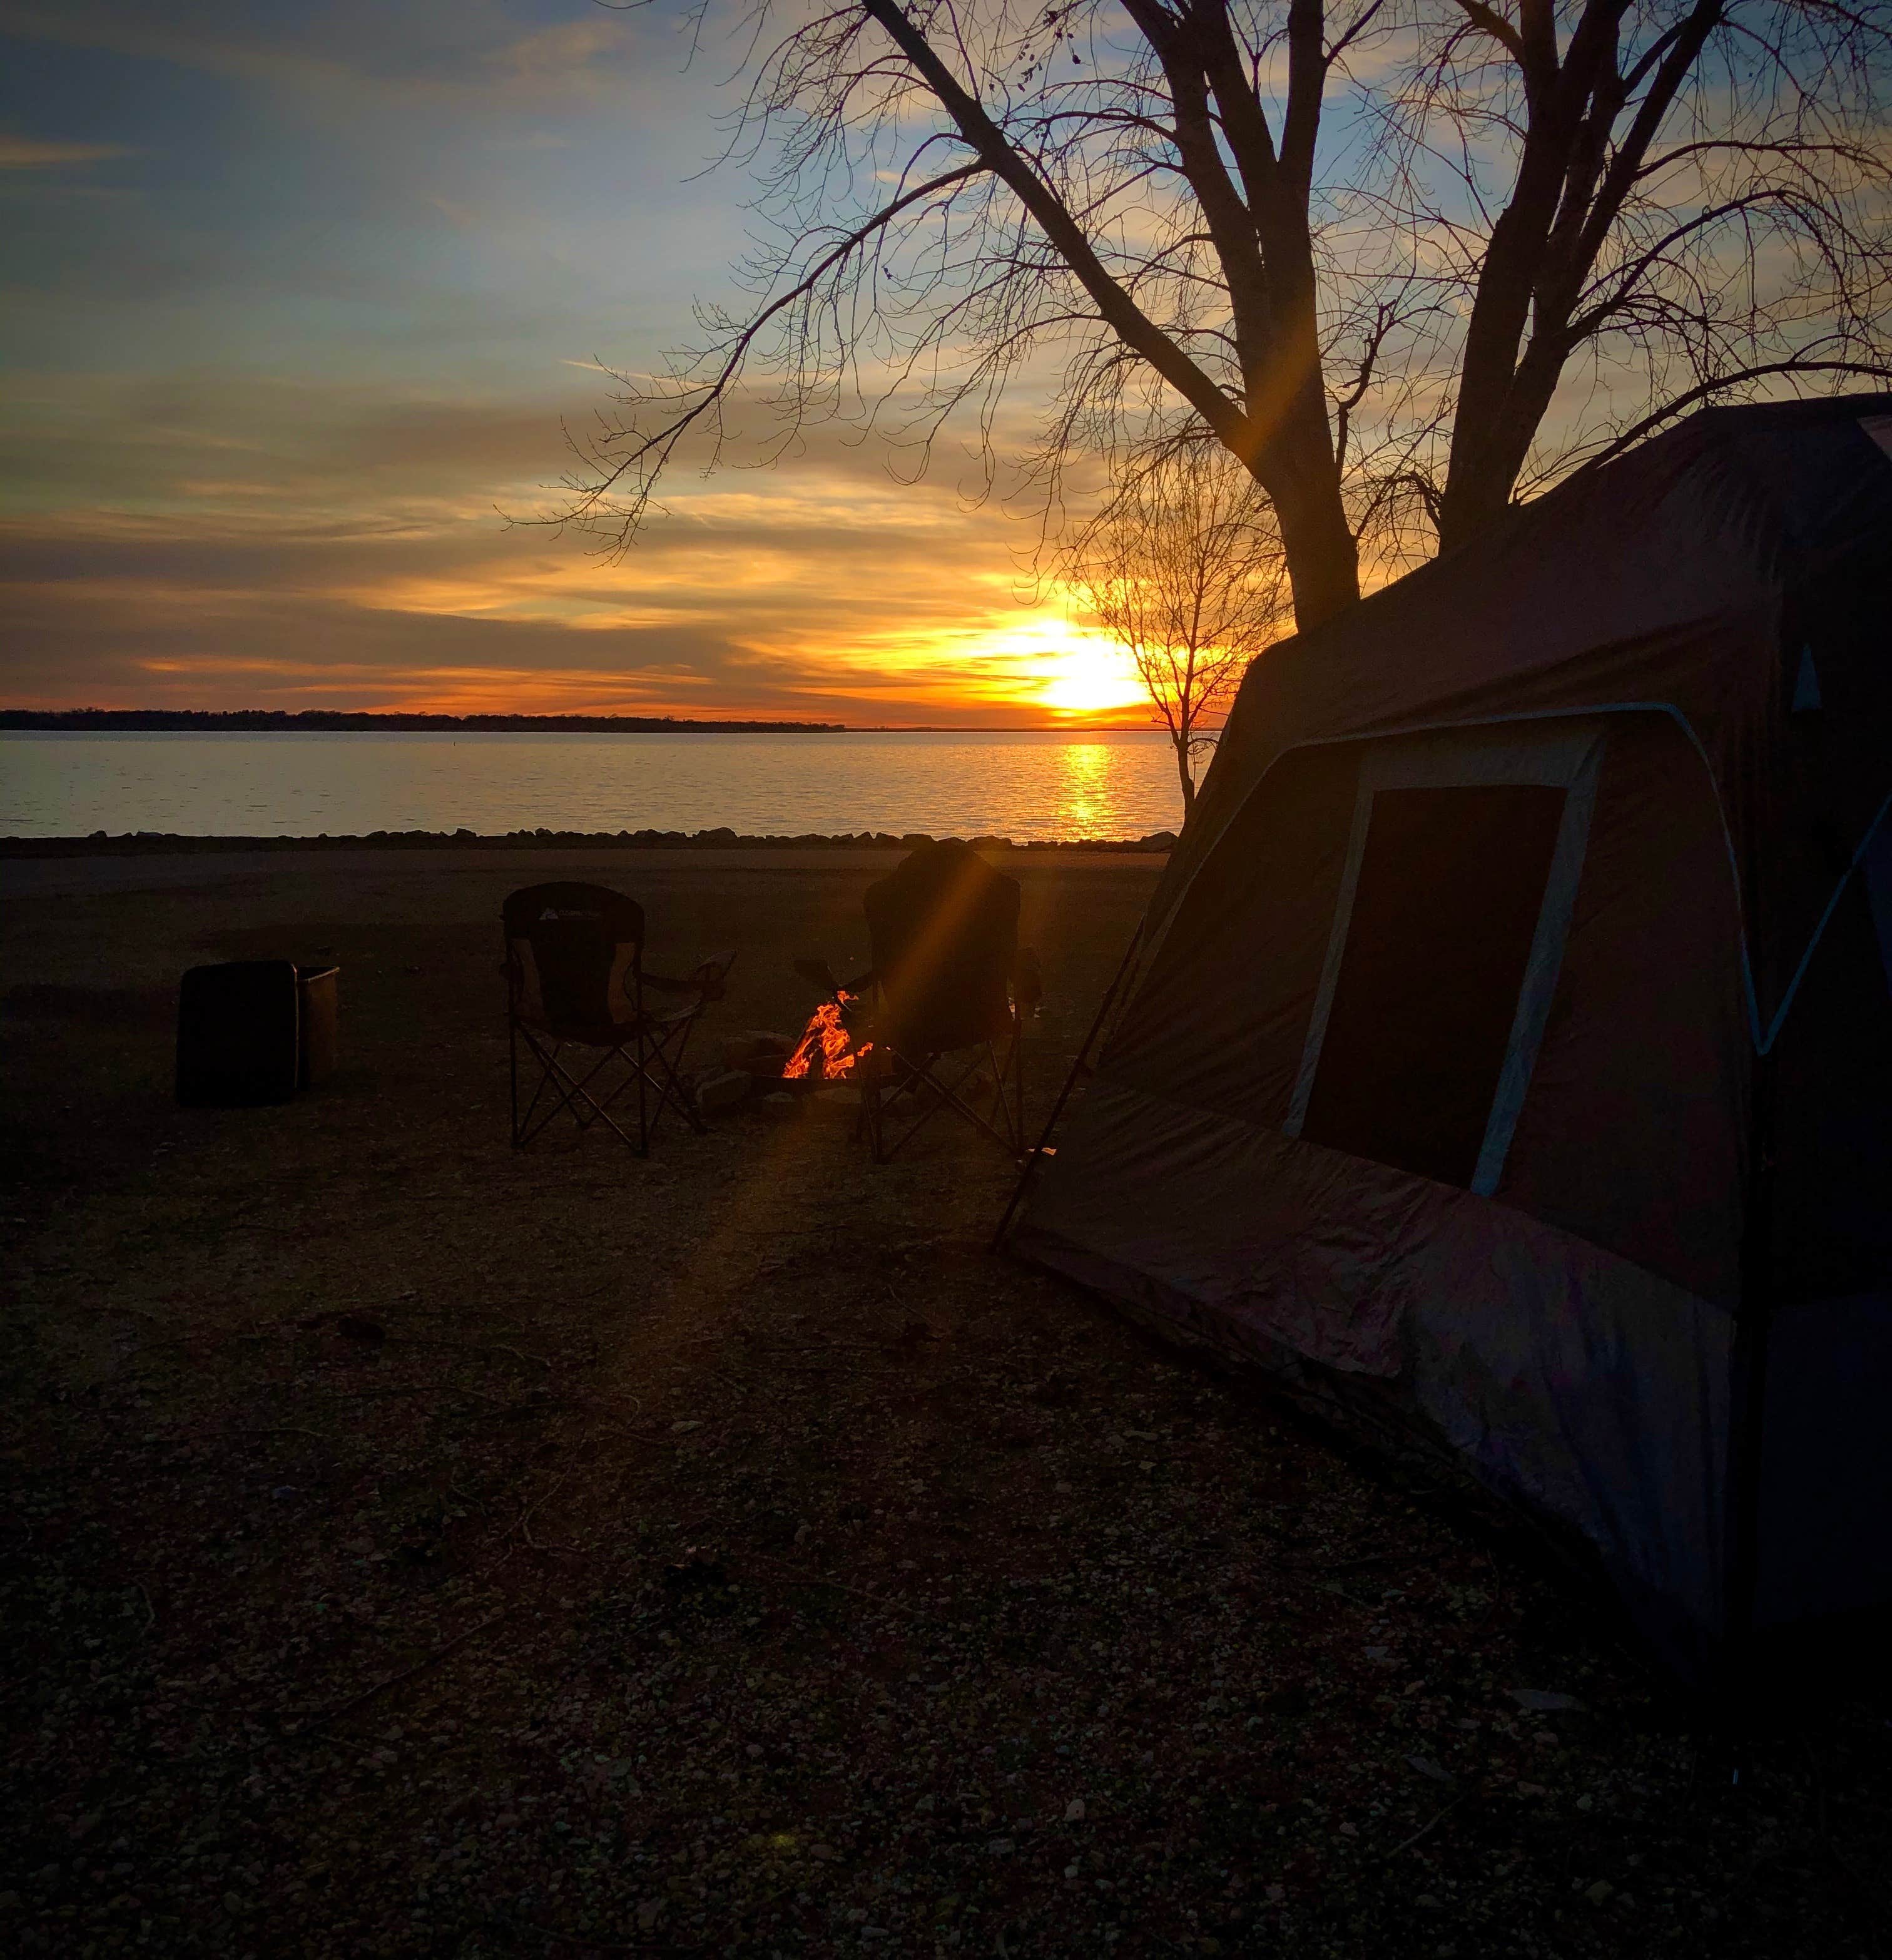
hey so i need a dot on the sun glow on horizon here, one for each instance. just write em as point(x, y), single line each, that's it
point(1093, 678)
point(1044, 662)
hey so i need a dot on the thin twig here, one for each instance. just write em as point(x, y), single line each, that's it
point(456, 1313)
point(523, 1526)
point(1439, 1818)
point(836, 1585)
point(316, 1718)
point(594, 1402)
point(472, 1347)
point(649, 1948)
point(110, 1306)
point(410, 1388)
point(1339, 1592)
point(1400, 1559)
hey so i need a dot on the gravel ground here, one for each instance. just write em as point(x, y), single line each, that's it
point(411, 1547)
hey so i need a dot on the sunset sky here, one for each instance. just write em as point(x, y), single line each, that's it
point(297, 295)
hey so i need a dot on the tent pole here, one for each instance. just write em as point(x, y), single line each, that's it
point(1748, 1399)
point(1063, 1095)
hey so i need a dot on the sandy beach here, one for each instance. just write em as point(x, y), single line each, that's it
point(415, 1546)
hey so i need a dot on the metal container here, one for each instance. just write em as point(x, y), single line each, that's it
point(251, 1031)
point(318, 1034)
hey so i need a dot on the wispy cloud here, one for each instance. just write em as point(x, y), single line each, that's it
point(284, 541)
point(267, 403)
point(403, 52)
point(34, 153)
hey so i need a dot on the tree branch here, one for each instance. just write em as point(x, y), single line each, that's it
point(663, 440)
point(1687, 400)
point(1119, 311)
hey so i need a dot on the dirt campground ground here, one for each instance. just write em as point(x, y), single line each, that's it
point(411, 1546)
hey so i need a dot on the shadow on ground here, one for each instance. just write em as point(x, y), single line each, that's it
point(411, 1547)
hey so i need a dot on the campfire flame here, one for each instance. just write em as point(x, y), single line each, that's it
point(825, 1050)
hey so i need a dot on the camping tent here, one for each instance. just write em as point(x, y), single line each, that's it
point(1509, 1067)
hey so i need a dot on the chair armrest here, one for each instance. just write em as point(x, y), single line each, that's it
point(707, 982)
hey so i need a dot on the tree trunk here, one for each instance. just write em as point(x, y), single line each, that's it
point(1483, 464)
point(1296, 463)
point(1181, 742)
point(1323, 560)
point(1478, 490)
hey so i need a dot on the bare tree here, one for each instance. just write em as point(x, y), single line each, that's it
point(1405, 259)
point(1182, 567)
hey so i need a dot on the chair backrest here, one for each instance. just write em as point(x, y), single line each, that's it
point(944, 926)
point(572, 954)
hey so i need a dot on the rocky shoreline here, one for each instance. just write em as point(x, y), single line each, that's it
point(152, 842)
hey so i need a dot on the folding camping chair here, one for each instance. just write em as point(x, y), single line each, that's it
point(575, 979)
point(948, 982)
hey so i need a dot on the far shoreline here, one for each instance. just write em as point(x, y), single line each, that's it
point(194, 721)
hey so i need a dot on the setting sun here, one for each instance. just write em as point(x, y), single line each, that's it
point(1094, 676)
point(1043, 661)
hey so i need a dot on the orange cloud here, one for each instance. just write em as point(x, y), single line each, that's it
point(249, 543)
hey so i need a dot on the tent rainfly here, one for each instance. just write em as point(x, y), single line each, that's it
point(1509, 1067)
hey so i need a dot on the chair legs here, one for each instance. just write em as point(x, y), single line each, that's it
point(1001, 1116)
point(651, 1064)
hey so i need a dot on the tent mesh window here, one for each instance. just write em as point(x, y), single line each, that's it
point(1450, 885)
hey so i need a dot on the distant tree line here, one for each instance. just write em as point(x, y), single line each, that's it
point(274, 721)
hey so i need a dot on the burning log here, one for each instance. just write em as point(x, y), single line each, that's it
point(758, 1052)
point(826, 1052)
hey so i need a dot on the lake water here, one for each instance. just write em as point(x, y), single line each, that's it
point(1025, 784)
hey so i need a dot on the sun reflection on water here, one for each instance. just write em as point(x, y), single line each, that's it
point(1082, 789)
point(1025, 784)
